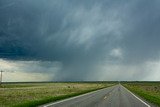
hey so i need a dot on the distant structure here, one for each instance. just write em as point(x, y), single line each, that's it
point(1, 77)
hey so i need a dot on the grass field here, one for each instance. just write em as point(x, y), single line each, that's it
point(147, 90)
point(33, 94)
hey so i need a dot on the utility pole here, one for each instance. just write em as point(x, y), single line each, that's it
point(1, 77)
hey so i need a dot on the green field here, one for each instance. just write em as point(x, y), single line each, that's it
point(147, 90)
point(33, 94)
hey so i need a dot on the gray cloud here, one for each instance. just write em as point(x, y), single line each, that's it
point(82, 35)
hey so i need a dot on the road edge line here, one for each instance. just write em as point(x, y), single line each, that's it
point(136, 97)
point(60, 101)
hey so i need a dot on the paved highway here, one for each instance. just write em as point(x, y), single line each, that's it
point(115, 96)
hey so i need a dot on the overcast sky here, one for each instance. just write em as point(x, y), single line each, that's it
point(74, 40)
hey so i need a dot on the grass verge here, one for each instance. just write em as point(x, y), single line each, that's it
point(149, 95)
point(52, 99)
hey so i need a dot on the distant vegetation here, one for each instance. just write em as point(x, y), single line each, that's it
point(33, 94)
point(147, 90)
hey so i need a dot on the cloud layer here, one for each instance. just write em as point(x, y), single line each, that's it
point(91, 40)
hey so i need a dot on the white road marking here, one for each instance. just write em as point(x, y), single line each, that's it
point(136, 97)
point(73, 97)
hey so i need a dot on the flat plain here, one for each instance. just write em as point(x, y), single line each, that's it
point(34, 94)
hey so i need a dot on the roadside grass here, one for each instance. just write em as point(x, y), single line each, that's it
point(18, 85)
point(34, 94)
point(148, 91)
point(51, 99)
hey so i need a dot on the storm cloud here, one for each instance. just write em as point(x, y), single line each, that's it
point(82, 40)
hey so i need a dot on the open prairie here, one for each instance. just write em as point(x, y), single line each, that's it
point(33, 94)
point(150, 91)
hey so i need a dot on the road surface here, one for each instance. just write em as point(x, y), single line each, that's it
point(115, 96)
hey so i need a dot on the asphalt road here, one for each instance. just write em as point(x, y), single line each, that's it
point(115, 96)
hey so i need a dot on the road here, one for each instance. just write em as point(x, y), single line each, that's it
point(115, 96)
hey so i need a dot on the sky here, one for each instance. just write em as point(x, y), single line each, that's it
point(80, 40)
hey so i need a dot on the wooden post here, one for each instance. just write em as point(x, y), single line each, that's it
point(1, 78)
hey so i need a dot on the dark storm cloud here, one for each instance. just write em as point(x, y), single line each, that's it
point(142, 42)
point(43, 29)
point(80, 34)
